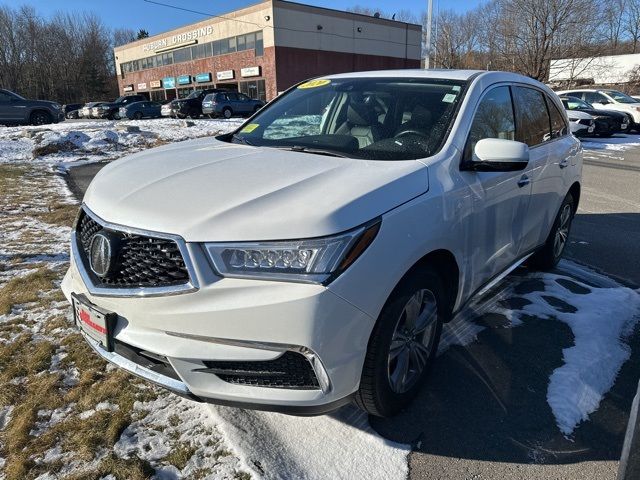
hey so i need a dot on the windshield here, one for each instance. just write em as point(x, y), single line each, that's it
point(575, 104)
point(620, 97)
point(194, 94)
point(369, 118)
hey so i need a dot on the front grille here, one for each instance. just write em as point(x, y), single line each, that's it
point(141, 261)
point(290, 370)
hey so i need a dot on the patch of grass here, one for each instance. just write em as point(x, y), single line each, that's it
point(180, 455)
point(122, 469)
point(58, 213)
point(24, 357)
point(10, 175)
point(26, 289)
point(241, 476)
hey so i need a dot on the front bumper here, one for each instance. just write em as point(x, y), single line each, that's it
point(241, 321)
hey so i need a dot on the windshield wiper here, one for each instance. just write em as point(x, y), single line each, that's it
point(317, 151)
point(242, 140)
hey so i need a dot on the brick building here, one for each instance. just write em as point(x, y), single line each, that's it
point(263, 49)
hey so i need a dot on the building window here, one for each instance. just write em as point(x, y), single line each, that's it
point(254, 89)
point(259, 44)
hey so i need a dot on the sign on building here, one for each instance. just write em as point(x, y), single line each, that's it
point(250, 72)
point(225, 75)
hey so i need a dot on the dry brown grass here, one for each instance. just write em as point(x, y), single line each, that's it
point(26, 289)
point(180, 455)
point(58, 213)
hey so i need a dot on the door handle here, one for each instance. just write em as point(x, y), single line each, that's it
point(524, 180)
point(564, 163)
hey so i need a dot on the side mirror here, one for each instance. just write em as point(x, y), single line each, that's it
point(604, 102)
point(498, 155)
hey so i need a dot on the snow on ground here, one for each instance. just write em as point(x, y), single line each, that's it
point(617, 143)
point(225, 442)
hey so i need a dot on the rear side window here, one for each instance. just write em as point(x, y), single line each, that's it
point(558, 124)
point(493, 119)
point(594, 97)
point(532, 116)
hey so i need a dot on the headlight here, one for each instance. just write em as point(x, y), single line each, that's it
point(309, 261)
point(56, 106)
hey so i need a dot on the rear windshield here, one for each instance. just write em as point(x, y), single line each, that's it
point(368, 118)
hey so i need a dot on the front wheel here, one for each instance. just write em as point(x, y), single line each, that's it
point(39, 118)
point(137, 116)
point(549, 255)
point(403, 344)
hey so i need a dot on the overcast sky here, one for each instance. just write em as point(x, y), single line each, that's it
point(136, 14)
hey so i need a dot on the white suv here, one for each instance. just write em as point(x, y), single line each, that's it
point(606, 99)
point(310, 258)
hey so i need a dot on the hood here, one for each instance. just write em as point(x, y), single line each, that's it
point(578, 115)
point(208, 190)
point(610, 113)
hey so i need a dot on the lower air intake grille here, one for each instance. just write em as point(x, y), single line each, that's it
point(290, 370)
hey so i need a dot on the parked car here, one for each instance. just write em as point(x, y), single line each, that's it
point(71, 110)
point(605, 99)
point(607, 122)
point(248, 274)
point(581, 124)
point(228, 104)
point(86, 111)
point(138, 110)
point(111, 110)
point(190, 106)
point(15, 109)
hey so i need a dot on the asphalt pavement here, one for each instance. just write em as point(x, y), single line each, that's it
point(484, 412)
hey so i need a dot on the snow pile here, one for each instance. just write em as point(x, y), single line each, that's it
point(339, 445)
point(600, 321)
point(69, 142)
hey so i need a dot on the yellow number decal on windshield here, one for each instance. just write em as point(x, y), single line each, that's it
point(250, 128)
point(315, 83)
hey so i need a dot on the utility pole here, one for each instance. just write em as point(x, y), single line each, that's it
point(427, 58)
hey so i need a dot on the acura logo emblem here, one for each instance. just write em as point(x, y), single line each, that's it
point(101, 254)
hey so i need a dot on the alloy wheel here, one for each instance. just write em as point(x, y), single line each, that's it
point(562, 233)
point(413, 341)
point(39, 118)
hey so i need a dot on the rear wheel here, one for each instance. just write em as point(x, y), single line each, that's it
point(549, 255)
point(39, 118)
point(403, 344)
point(227, 112)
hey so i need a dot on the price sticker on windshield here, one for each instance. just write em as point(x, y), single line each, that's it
point(449, 97)
point(321, 82)
point(250, 128)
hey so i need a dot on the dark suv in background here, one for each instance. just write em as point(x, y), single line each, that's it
point(190, 106)
point(228, 104)
point(111, 110)
point(16, 109)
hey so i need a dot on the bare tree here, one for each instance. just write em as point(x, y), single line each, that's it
point(632, 23)
point(122, 36)
point(66, 58)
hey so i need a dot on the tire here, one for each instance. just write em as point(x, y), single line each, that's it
point(137, 116)
point(384, 391)
point(193, 114)
point(227, 112)
point(551, 252)
point(39, 117)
